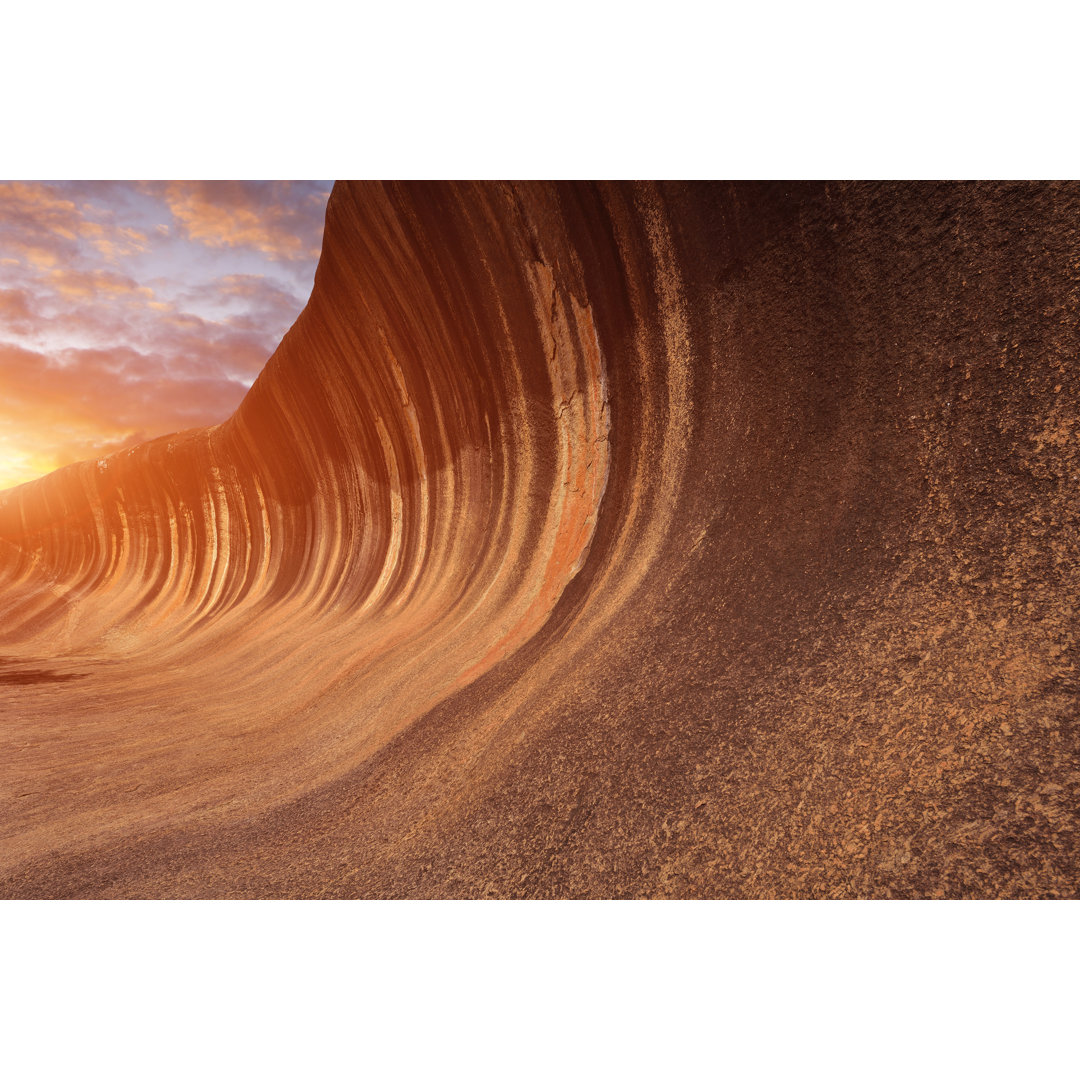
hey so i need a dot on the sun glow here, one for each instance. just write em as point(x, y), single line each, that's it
point(19, 466)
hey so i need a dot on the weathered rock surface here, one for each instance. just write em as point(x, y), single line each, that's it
point(694, 540)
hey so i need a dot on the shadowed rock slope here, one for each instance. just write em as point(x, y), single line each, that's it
point(584, 540)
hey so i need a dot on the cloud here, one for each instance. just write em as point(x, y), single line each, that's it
point(280, 219)
point(249, 301)
point(40, 207)
point(116, 241)
point(17, 311)
point(39, 224)
point(79, 284)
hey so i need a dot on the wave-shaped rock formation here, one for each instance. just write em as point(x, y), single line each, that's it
point(584, 540)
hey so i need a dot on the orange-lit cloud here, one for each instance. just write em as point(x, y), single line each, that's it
point(128, 311)
point(39, 225)
point(267, 218)
point(96, 283)
point(116, 242)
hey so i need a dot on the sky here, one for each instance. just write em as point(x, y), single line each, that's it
point(130, 310)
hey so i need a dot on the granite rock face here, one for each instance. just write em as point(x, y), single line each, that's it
point(584, 540)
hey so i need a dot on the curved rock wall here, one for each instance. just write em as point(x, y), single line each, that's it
point(583, 540)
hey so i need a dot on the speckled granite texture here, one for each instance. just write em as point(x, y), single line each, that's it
point(584, 540)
